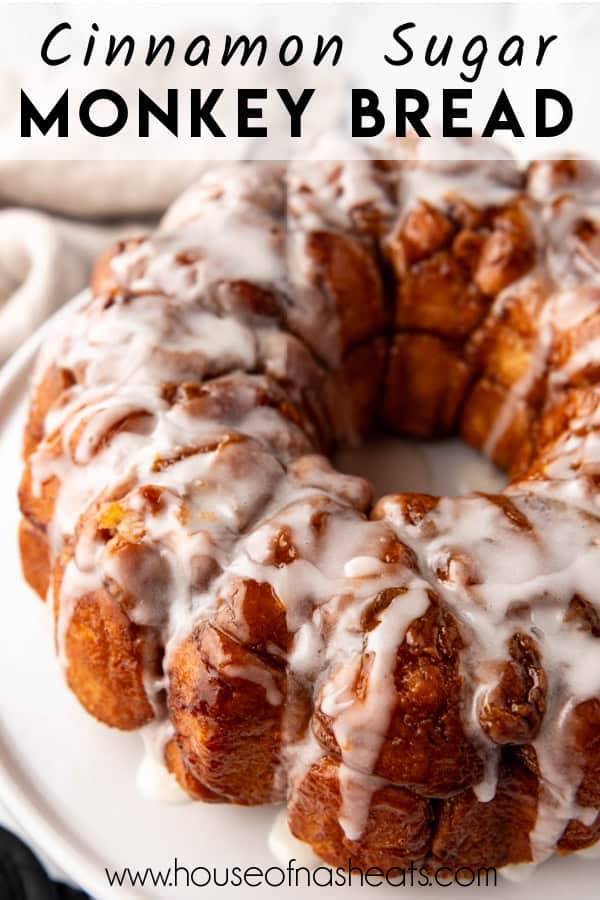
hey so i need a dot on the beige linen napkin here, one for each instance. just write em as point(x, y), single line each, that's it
point(44, 261)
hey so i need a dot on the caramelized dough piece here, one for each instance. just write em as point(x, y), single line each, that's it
point(509, 353)
point(425, 230)
point(496, 423)
point(426, 384)
point(508, 252)
point(176, 764)
point(449, 262)
point(35, 557)
point(574, 356)
point(513, 711)
point(252, 613)
point(104, 280)
point(578, 836)
point(397, 831)
point(38, 506)
point(229, 399)
point(583, 746)
point(106, 657)
point(354, 390)
point(425, 748)
point(48, 391)
point(572, 413)
point(226, 704)
point(346, 271)
point(438, 295)
point(410, 507)
point(504, 347)
point(559, 441)
point(495, 833)
point(581, 731)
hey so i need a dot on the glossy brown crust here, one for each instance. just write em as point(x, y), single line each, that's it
point(425, 400)
point(584, 742)
point(354, 390)
point(511, 361)
point(51, 387)
point(107, 656)
point(495, 833)
point(573, 339)
point(425, 748)
point(582, 739)
point(177, 765)
point(450, 263)
point(397, 831)
point(34, 551)
point(482, 411)
point(348, 273)
point(228, 726)
point(513, 711)
point(501, 349)
point(567, 416)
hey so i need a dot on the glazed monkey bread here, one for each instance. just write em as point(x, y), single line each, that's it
point(418, 678)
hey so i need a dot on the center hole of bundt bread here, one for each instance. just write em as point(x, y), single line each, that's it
point(395, 464)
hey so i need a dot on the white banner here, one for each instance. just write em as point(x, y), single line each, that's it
point(221, 80)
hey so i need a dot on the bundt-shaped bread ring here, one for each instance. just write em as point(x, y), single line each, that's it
point(419, 679)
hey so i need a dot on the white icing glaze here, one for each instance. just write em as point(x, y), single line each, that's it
point(152, 780)
point(155, 783)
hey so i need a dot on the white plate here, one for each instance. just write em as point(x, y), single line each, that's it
point(70, 782)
